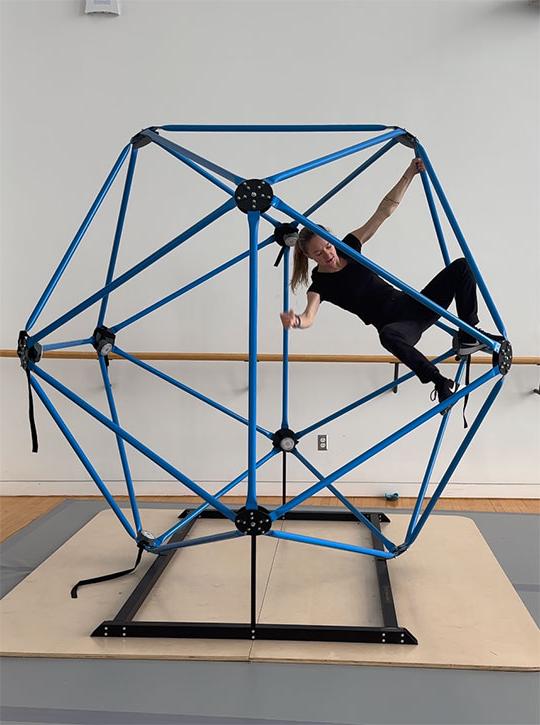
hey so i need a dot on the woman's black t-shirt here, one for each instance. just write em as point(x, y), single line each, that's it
point(356, 288)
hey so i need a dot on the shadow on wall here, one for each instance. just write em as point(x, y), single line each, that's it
point(508, 7)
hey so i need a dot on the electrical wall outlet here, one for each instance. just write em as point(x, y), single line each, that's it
point(322, 442)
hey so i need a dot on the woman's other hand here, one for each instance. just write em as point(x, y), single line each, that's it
point(288, 319)
point(416, 167)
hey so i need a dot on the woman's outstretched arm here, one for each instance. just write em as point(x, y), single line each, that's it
point(290, 319)
point(390, 202)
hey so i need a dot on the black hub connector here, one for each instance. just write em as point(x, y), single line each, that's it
point(254, 522)
point(401, 549)
point(140, 140)
point(103, 340)
point(407, 139)
point(254, 195)
point(503, 358)
point(145, 539)
point(27, 354)
point(285, 439)
point(286, 235)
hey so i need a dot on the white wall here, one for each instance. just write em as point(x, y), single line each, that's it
point(462, 76)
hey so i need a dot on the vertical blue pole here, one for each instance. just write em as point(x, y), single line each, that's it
point(461, 241)
point(253, 220)
point(120, 443)
point(82, 456)
point(75, 243)
point(435, 217)
point(285, 366)
point(118, 233)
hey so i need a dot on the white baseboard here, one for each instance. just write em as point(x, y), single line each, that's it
point(271, 488)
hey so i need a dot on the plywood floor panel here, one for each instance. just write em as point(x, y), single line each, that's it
point(449, 589)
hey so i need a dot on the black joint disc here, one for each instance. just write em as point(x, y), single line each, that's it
point(255, 522)
point(254, 195)
point(503, 358)
point(285, 439)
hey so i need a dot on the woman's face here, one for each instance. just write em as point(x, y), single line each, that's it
point(322, 252)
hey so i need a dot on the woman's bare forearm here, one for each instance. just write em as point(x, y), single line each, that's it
point(391, 201)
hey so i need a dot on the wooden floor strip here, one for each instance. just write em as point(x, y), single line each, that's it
point(18, 511)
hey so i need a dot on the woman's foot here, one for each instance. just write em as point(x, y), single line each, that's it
point(443, 389)
point(464, 344)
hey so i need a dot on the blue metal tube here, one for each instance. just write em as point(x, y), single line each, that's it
point(120, 444)
point(347, 180)
point(363, 519)
point(70, 343)
point(329, 544)
point(253, 221)
point(162, 463)
point(342, 153)
point(187, 288)
point(366, 398)
point(75, 243)
point(456, 459)
point(491, 344)
point(89, 301)
point(195, 162)
point(273, 222)
point(461, 241)
point(435, 217)
point(432, 459)
point(195, 542)
point(187, 389)
point(265, 128)
point(118, 232)
point(196, 512)
point(355, 512)
point(355, 462)
point(285, 339)
point(356, 404)
point(81, 456)
point(444, 327)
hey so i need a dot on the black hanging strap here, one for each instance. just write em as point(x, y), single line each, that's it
point(108, 577)
point(279, 257)
point(33, 429)
point(29, 355)
point(467, 381)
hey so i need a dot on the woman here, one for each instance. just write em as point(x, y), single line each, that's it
point(399, 319)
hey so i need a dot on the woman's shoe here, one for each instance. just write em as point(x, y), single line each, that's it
point(464, 344)
point(443, 389)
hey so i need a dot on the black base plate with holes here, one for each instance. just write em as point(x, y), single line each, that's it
point(389, 633)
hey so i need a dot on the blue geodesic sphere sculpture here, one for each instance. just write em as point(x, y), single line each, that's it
point(256, 198)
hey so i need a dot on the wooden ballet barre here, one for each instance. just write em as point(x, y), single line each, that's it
point(262, 357)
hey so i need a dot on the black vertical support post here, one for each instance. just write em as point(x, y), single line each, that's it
point(284, 481)
point(383, 578)
point(253, 617)
point(396, 375)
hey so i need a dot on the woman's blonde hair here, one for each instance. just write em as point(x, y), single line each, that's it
point(300, 274)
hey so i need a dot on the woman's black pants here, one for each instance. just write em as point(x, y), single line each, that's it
point(408, 319)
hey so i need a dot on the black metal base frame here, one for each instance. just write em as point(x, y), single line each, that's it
point(390, 633)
